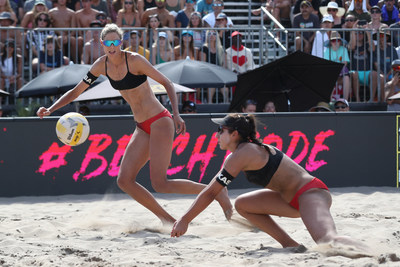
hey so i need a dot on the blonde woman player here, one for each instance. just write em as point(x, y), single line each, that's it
point(154, 133)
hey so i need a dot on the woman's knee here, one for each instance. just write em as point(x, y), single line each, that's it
point(161, 185)
point(123, 182)
point(240, 204)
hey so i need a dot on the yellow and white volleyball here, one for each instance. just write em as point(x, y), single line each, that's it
point(72, 129)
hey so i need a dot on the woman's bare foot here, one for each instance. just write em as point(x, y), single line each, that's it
point(225, 203)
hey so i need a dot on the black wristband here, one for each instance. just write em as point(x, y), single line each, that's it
point(224, 178)
point(89, 78)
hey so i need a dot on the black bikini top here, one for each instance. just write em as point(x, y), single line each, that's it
point(263, 176)
point(129, 81)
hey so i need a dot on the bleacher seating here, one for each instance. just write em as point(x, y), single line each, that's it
point(258, 36)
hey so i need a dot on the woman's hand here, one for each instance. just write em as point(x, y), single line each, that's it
point(180, 227)
point(180, 125)
point(42, 111)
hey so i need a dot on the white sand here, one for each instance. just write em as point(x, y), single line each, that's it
point(114, 230)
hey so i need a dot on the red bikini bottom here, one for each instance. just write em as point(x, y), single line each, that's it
point(146, 125)
point(314, 183)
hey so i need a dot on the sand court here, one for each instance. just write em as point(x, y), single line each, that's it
point(114, 230)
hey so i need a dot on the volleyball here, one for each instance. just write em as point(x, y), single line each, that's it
point(72, 129)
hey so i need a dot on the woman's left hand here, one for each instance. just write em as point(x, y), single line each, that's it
point(180, 227)
point(180, 125)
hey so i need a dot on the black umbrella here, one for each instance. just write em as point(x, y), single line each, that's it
point(195, 74)
point(56, 81)
point(295, 82)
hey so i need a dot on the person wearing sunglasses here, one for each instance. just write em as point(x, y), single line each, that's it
point(210, 19)
point(337, 51)
point(102, 17)
point(348, 24)
point(358, 8)
point(36, 39)
point(128, 16)
point(341, 105)
point(333, 9)
point(155, 127)
point(288, 190)
point(376, 21)
point(28, 21)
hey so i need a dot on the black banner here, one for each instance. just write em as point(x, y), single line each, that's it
point(349, 149)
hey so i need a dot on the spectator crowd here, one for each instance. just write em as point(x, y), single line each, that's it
point(45, 34)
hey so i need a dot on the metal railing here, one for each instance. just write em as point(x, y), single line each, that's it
point(73, 42)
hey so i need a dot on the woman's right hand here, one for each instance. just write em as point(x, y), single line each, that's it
point(180, 227)
point(42, 111)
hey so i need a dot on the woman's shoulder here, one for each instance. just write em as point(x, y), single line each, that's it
point(247, 148)
point(243, 154)
point(134, 57)
point(98, 67)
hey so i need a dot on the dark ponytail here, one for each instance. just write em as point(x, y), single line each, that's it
point(252, 134)
point(245, 125)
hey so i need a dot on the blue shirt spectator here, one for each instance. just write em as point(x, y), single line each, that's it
point(204, 7)
point(390, 14)
point(53, 61)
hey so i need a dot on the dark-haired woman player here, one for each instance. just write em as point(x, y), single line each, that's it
point(154, 133)
point(289, 190)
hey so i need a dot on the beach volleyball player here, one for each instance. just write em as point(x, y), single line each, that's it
point(154, 133)
point(288, 189)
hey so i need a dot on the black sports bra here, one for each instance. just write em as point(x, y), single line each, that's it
point(263, 176)
point(129, 81)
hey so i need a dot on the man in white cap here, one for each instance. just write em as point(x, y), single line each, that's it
point(321, 37)
point(341, 105)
